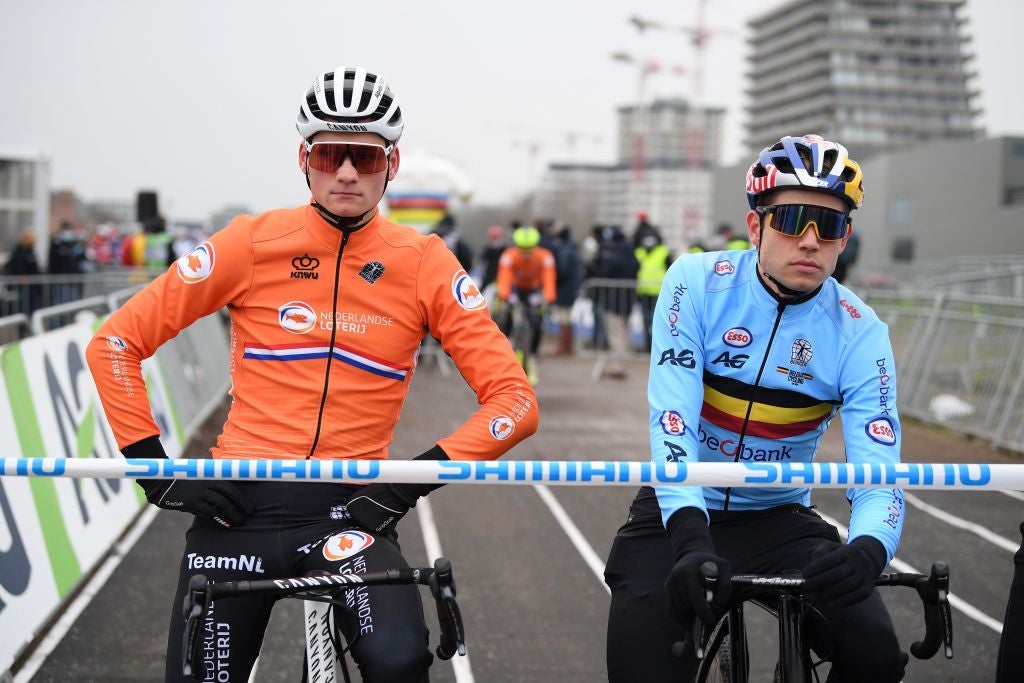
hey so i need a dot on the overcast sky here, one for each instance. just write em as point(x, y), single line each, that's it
point(197, 99)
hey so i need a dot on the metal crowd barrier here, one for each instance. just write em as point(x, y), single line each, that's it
point(28, 293)
point(958, 360)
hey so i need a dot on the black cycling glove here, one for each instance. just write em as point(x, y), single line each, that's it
point(691, 542)
point(844, 575)
point(379, 507)
point(218, 501)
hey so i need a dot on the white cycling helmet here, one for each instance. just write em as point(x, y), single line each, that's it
point(350, 100)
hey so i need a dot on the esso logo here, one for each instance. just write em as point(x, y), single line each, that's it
point(502, 427)
point(724, 268)
point(672, 423)
point(297, 317)
point(196, 265)
point(466, 292)
point(881, 430)
point(854, 313)
point(346, 544)
point(738, 337)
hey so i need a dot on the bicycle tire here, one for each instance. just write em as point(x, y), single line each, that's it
point(716, 667)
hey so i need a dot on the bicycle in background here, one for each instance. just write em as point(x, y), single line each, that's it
point(327, 641)
point(723, 653)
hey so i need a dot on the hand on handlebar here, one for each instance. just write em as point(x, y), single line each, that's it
point(843, 575)
point(688, 594)
point(685, 588)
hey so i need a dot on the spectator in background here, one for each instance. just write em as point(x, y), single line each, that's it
point(67, 252)
point(159, 244)
point(653, 259)
point(644, 230)
point(23, 261)
point(67, 257)
point(489, 255)
point(567, 284)
point(616, 262)
point(102, 245)
point(728, 239)
point(445, 229)
point(590, 257)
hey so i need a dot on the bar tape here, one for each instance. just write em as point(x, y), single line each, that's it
point(959, 476)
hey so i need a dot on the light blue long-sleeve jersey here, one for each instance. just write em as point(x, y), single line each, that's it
point(737, 375)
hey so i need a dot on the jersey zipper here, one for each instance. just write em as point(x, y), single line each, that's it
point(345, 234)
point(754, 390)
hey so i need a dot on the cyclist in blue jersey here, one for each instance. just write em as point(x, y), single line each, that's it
point(753, 354)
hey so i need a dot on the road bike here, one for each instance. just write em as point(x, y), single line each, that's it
point(327, 641)
point(518, 315)
point(723, 653)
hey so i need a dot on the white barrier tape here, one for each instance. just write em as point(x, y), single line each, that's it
point(971, 477)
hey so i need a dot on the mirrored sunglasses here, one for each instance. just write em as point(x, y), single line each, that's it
point(794, 219)
point(328, 156)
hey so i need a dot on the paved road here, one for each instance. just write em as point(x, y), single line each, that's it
point(535, 610)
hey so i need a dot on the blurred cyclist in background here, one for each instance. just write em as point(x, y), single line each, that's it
point(526, 277)
point(755, 351)
point(320, 367)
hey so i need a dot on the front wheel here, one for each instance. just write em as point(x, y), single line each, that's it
point(716, 667)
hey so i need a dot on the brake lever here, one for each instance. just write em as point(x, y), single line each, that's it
point(194, 608)
point(442, 587)
point(709, 577)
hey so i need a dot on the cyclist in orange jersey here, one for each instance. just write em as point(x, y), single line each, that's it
point(526, 277)
point(329, 303)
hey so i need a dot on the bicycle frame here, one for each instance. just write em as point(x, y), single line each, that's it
point(319, 591)
point(794, 663)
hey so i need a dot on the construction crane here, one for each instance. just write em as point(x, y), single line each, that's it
point(698, 34)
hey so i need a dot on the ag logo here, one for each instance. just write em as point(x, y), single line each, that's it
point(738, 337)
point(466, 292)
point(196, 265)
point(881, 430)
point(735, 362)
point(675, 452)
point(684, 358)
point(296, 317)
point(346, 544)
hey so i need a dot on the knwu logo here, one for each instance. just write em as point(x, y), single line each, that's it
point(305, 267)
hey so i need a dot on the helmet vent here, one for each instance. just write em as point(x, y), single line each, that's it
point(328, 92)
point(830, 160)
point(784, 165)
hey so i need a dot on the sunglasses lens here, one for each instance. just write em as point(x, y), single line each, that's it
point(793, 219)
point(328, 156)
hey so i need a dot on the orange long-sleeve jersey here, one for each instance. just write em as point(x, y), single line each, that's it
point(527, 269)
point(325, 329)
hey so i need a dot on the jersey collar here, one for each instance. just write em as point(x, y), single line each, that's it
point(330, 235)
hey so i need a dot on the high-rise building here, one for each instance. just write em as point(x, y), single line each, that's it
point(666, 150)
point(874, 74)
